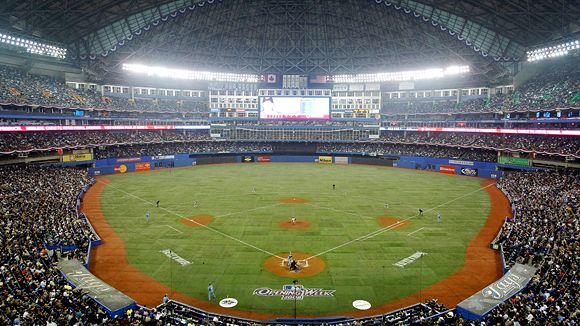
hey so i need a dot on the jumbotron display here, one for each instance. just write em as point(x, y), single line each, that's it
point(295, 107)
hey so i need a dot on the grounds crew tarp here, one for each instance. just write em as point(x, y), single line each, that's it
point(107, 296)
point(479, 304)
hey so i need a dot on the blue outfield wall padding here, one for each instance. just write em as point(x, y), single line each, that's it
point(294, 158)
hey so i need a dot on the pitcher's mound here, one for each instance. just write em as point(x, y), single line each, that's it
point(310, 267)
point(392, 222)
point(197, 221)
point(299, 225)
point(294, 200)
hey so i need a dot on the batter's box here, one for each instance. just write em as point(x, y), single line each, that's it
point(302, 263)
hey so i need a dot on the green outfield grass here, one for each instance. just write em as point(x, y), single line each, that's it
point(359, 270)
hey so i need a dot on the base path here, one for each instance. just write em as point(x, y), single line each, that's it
point(392, 222)
point(294, 200)
point(482, 265)
point(310, 267)
point(197, 221)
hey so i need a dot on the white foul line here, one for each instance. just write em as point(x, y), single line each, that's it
point(416, 231)
point(392, 226)
point(202, 225)
point(169, 226)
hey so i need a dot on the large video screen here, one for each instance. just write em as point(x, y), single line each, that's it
point(294, 107)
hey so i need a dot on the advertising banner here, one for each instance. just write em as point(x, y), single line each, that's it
point(120, 168)
point(77, 157)
point(469, 172)
point(140, 167)
point(247, 159)
point(113, 300)
point(264, 158)
point(128, 159)
point(514, 160)
point(325, 159)
point(447, 169)
point(479, 304)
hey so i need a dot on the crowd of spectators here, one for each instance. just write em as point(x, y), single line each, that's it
point(557, 87)
point(530, 143)
point(190, 147)
point(399, 143)
point(383, 148)
point(38, 209)
point(19, 87)
point(544, 233)
point(26, 141)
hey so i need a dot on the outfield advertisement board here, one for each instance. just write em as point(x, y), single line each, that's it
point(447, 169)
point(141, 167)
point(77, 157)
point(263, 158)
point(469, 172)
point(247, 159)
point(325, 159)
point(514, 281)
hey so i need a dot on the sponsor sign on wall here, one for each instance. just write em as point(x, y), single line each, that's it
point(77, 157)
point(128, 159)
point(447, 169)
point(120, 168)
point(264, 158)
point(469, 171)
point(325, 159)
point(247, 159)
point(291, 291)
point(514, 160)
point(457, 162)
point(140, 167)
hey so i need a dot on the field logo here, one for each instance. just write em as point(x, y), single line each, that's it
point(176, 257)
point(291, 291)
point(410, 259)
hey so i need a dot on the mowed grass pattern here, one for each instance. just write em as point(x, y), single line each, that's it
point(359, 270)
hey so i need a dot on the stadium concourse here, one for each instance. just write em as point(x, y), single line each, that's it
point(484, 88)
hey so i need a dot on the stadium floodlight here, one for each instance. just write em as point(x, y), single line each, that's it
point(190, 74)
point(433, 73)
point(553, 51)
point(33, 47)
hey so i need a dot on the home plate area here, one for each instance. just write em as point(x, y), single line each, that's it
point(307, 265)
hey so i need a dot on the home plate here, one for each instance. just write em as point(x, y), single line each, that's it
point(228, 302)
point(361, 304)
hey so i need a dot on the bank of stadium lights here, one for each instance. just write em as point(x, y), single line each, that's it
point(401, 75)
point(553, 51)
point(33, 46)
point(190, 74)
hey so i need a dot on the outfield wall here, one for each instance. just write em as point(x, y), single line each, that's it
point(443, 165)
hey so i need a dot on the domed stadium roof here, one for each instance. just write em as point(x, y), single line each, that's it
point(294, 36)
